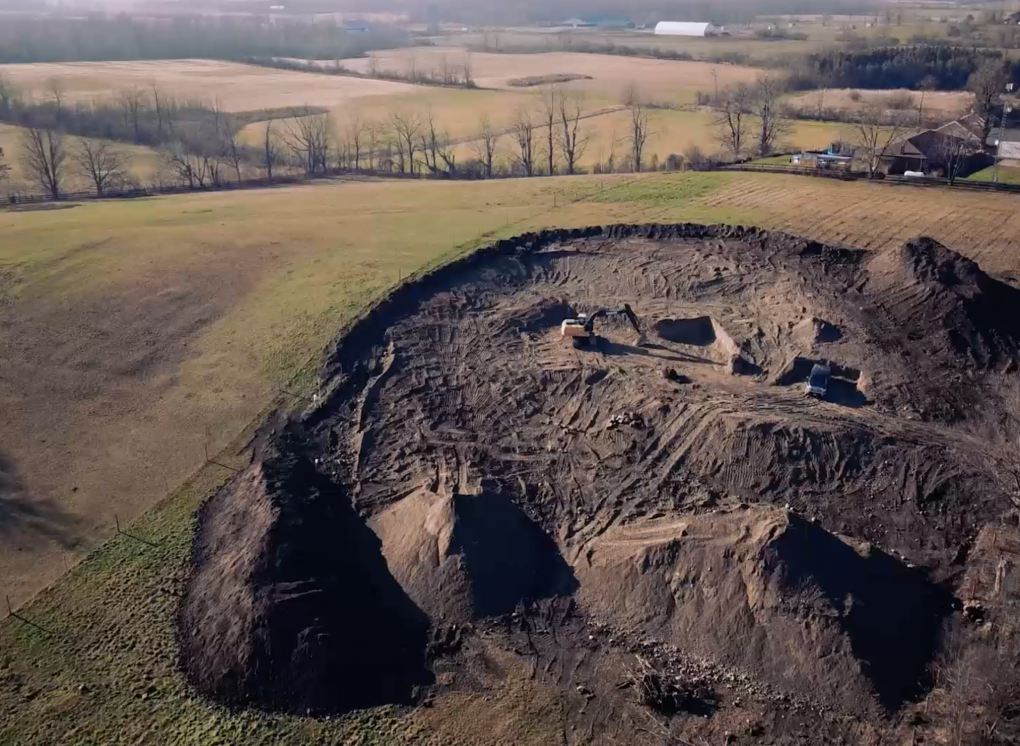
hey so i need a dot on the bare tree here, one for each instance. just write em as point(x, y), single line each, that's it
point(355, 133)
point(159, 105)
point(639, 132)
point(407, 130)
point(5, 169)
point(440, 157)
point(309, 137)
point(44, 157)
point(485, 145)
point(100, 163)
point(573, 142)
point(873, 140)
point(224, 146)
point(614, 143)
point(186, 167)
point(133, 103)
point(374, 132)
point(430, 143)
point(929, 83)
point(767, 107)
point(234, 152)
point(988, 85)
point(731, 120)
point(270, 150)
point(469, 67)
point(446, 71)
point(631, 95)
point(953, 154)
point(8, 93)
point(55, 88)
point(550, 98)
point(523, 133)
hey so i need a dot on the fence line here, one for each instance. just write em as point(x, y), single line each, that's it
point(15, 199)
point(919, 181)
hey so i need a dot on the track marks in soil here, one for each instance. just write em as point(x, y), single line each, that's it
point(490, 457)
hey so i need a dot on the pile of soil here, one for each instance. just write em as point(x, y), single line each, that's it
point(470, 487)
point(292, 605)
point(929, 286)
point(766, 590)
point(465, 557)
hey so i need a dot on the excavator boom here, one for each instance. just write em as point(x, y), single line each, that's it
point(582, 330)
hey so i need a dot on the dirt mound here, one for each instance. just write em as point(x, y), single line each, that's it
point(813, 331)
point(479, 448)
point(465, 557)
point(768, 591)
point(929, 287)
point(292, 606)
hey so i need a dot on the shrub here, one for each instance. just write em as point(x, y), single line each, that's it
point(900, 101)
point(694, 157)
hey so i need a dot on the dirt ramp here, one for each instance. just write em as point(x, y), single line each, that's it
point(291, 605)
point(771, 593)
point(465, 557)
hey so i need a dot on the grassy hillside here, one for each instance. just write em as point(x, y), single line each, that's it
point(147, 330)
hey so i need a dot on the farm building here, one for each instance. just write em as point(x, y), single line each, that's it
point(673, 28)
point(927, 152)
point(1006, 144)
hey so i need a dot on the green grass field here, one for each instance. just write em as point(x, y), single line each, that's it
point(291, 267)
point(1006, 175)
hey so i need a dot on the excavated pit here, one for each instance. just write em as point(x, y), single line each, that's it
point(469, 483)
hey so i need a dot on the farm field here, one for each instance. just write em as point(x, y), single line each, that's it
point(141, 161)
point(221, 301)
point(236, 87)
point(529, 40)
point(947, 104)
point(610, 77)
point(458, 112)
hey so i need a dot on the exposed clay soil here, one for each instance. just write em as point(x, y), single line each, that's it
point(469, 486)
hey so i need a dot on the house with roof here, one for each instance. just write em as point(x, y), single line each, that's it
point(970, 128)
point(955, 145)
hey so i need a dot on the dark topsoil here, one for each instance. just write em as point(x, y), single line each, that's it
point(471, 486)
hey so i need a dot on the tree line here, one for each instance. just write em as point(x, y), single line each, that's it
point(447, 73)
point(97, 37)
point(142, 115)
point(550, 136)
point(928, 66)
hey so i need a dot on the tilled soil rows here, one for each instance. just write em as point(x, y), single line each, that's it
point(661, 526)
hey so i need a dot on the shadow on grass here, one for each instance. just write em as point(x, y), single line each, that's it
point(25, 519)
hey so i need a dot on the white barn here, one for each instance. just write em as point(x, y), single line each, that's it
point(674, 28)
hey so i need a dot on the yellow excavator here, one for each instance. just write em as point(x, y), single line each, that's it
point(581, 331)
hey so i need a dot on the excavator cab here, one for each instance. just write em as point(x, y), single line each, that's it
point(581, 331)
